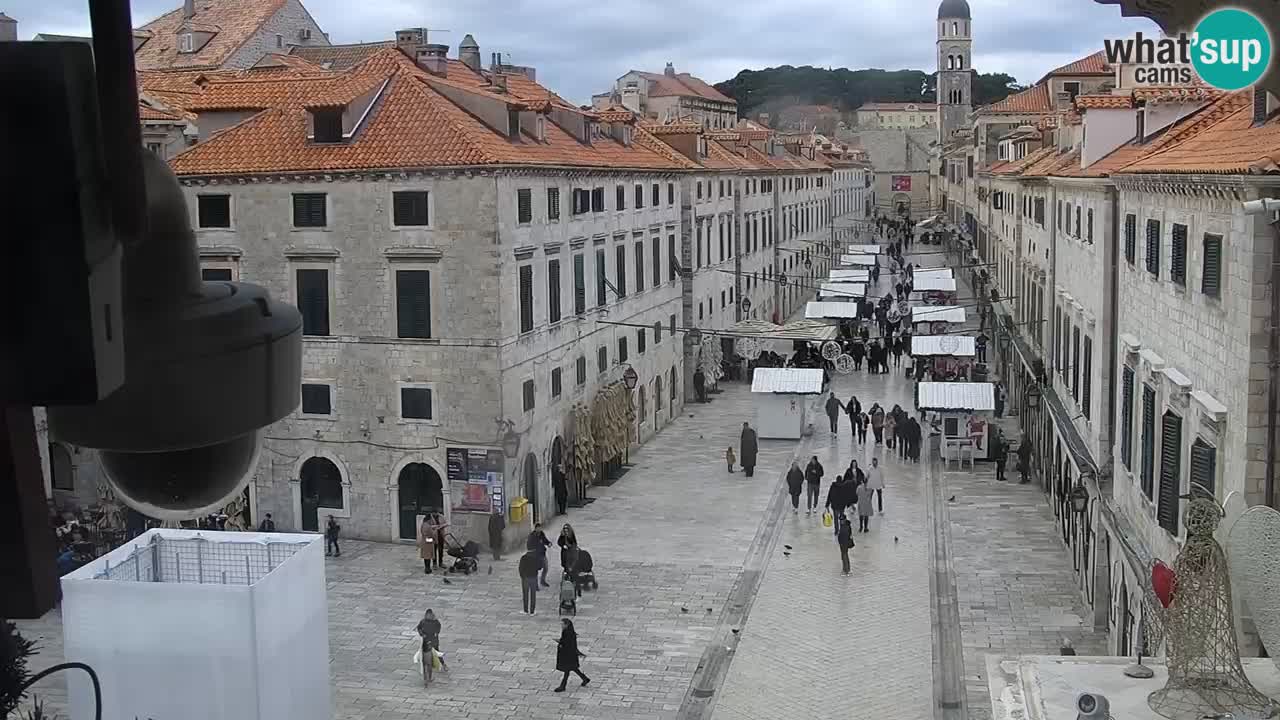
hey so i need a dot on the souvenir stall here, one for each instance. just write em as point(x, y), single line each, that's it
point(965, 411)
point(938, 319)
point(831, 311)
point(841, 291)
point(934, 289)
point(766, 345)
point(782, 397)
point(950, 357)
point(859, 260)
point(865, 249)
point(839, 275)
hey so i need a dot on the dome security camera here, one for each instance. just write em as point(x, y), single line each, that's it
point(207, 365)
point(1092, 706)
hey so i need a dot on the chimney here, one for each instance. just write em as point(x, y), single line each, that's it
point(189, 9)
point(499, 82)
point(670, 71)
point(469, 53)
point(432, 57)
point(409, 39)
point(1262, 105)
point(8, 29)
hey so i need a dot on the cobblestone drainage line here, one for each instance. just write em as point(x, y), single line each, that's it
point(714, 666)
point(948, 651)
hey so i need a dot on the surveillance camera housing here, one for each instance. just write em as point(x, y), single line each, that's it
point(1092, 706)
point(207, 365)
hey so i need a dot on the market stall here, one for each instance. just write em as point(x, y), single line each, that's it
point(841, 291)
point(965, 410)
point(934, 289)
point(839, 275)
point(782, 396)
point(831, 310)
point(948, 356)
point(859, 260)
point(865, 249)
point(939, 317)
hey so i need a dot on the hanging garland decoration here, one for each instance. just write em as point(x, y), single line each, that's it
point(712, 358)
point(749, 348)
point(830, 350)
point(582, 461)
point(612, 415)
point(844, 364)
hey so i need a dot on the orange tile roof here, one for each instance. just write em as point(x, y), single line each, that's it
point(1019, 166)
point(1095, 64)
point(1193, 93)
point(339, 57)
point(235, 21)
point(411, 126)
point(153, 114)
point(1104, 102)
point(277, 64)
point(682, 84)
point(1221, 139)
point(673, 128)
point(1034, 99)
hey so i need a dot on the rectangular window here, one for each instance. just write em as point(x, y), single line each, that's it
point(1089, 226)
point(639, 196)
point(1148, 440)
point(524, 205)
point(699, 189)
point(640, 266)
point(310, 210)
point(1086, 393)
point(1126, 417)
point(415, 403)
point(581, 201)
point(602, 359)
point(413, 304)
point(671, 323)
point(641, 337)
point(620, 270)
point(620, 198)
point(409, 208)
point(656, 199)
point(657, 333)
point(214, 211)
point(579, 284)
point(526, 298)
point(529, 395)
point(671, 257)
point(671, 193)
point(555, 382)
point(313, 301)
point(597, 199)
point(1153, 247)
point(1058, 343)
point(1204, 464)
point(1211, 269)
point(1170, 472)
point(1131, 238)
point(580, 371)
point(602, 281)
point(553, 203)
point(721, 188)
point(655, 249)
point(721, 227)
point(699, 245)
point(317, 399)
point(622, 349)
point(1075, 363)
point(1178, 254)
point(553, 291)
point(215, 274)
point(1039, 212)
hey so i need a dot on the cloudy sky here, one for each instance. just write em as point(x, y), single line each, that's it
point(579, 48)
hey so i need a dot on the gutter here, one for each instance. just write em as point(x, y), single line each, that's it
point(1113, 315)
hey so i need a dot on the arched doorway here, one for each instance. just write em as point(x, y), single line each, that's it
point(420, 491)
point(529, 484)
point(61, 473)
point(321, 488)
point(657, 399)
point(559, 483)
point(902, 203)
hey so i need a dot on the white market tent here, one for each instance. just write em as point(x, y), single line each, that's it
point(943, 272)
point(781, 402)
point(842, 290)
point(830, 310)
point(839, 275)
point(930, 283)
point(946, 345)
point(860, 260)
point(865, 249)
point(937, 313)
point(767, 332)
point(957, 396)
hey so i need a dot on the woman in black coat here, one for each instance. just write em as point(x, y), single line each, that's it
point(568, 654)
point(747, 449)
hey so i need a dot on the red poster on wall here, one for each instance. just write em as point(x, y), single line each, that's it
point(901, 183)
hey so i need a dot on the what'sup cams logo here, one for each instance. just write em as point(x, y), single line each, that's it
point(1230, 49)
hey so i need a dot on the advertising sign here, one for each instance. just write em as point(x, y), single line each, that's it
point(476, 478)
point(901, 183)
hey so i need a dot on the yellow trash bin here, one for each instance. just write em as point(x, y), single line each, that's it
point(519, 506)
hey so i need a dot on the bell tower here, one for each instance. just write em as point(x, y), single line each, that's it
point(955, 68)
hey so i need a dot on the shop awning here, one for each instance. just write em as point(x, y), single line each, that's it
point(956, 396)
point(804, 330)
point(811, 330)
point(763, 328)
point(865, 249)
point(849, 276)
point(830, 310)
point(920, 273)
point(859, 260)
point(947, 345)
point(928, 223)
point(930, 283)
point(791, 381)
point(842, 290)
point(936, 313)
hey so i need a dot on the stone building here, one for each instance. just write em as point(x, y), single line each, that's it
point(671, 97)
point(900, 174)
point(896, 115)
point(955, 67)
point(224, 34)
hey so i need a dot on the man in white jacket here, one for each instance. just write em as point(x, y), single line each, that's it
point(875, 481)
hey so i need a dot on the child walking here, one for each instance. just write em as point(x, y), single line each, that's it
point(729, 458)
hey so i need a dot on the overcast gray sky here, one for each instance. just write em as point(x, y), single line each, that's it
point(579, 48)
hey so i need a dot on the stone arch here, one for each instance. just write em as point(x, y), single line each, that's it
point(321, 487)
point(529, 483)
point(62, 472)
point(295, 485)
point(416, 484)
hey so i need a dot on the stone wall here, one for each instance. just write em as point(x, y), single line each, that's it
point(286, 22)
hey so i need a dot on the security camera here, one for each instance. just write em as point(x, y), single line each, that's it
point(1092, 706)
point(207, 365)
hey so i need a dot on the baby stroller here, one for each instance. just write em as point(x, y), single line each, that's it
point(584, 571)
point(568, 595)
point(464, 555)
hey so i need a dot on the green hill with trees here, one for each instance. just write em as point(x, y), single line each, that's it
point(774, 89)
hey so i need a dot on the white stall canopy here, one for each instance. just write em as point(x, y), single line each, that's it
point(946, 345)
point(839, 275)
point(930, 283)
point(937, 313)
point(920, 272)
point(865, 249)
point(957, 396)
point(842, 290)
point(789, 381)
point(859, 260)
point(830, 310)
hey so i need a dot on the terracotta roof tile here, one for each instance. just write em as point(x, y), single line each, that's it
point(234, 21)
point(1188, 94)
point(682, 84)
point(339, 57)
point(1104, 102)
point(1017, 167)
point(1034, 99)
point(1220, 139)
point(1095, 64)
point(153, 114)
point(673, 128)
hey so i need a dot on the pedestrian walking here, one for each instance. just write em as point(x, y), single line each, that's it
point(875, 481)
point(267, 524)
point(561, 490)
point(426, 543)
point(854, 410)
point(747, 448)
point(538, 543)
point(795, 484)
point(568, 543)
point(428, 630)
point(1024, 459)
point(331, 530)
point(1000, 399)
point(914, 434)
point(890, 429)
point(568, 656)
point(729, 459)
point(866, 507)
point(531, 563)
point(839, 496)
point(844, 538)
point(863, 423)
point(1001, 451)
point(813, 482)
point(437, 527)
point(497, 523)
point(833, 412)
point(877, 422)
point(700, 385)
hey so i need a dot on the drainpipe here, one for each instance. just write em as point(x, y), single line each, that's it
point(1258, 207)
point(1113, 313)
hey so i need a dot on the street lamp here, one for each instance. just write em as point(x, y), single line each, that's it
point(1079, 498)
point(630, 378)
point(1033, 396)
point(510, 440)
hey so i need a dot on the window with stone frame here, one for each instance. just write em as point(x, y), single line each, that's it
point(581, 201)
point(1211, 266)
point(639, 191)
point(639, 265)
point(597, 200)
point(620, 198)
point(528, 395)
point(602, 359)
point(1086, 386)
point(553, 290)
point(524, 206)
point(1147, 470)
point(313, 300)
point(1168, 509)
point(525, 290)
point(671, 193)
point(641, 340)
point(1131, 238)
point(1178, 254)
point(213, 211)
point(413, 304)
point(1204, 464)
point(317, 399)
point(416, 403)
point(622, 349)
point(1153, 247)
point(580, 371)
point(672, 260)
point(1126, 417)
point(556, 380)
point(656, 195)
point(1089, 226)
point(553, 203)
point(310, 210)
point(1078, 234)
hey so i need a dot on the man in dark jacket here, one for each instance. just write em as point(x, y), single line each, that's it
point(538, 543)
point(844, 538)
point(913, 440)
point(795, 482)
point(833, 412)
point(530, 563)
point(748, 449)
point(700, 385)
point(813, 481)
point(1024, 460)
point(331, 530)
point(1001, 453)
point(839, 496)
point(497, 523)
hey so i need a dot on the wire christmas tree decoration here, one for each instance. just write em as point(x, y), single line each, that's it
point(1192, 610)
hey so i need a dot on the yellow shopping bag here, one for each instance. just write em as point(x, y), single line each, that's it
point(826, 519)
point(435, 659)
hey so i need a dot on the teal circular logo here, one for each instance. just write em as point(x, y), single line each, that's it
point(1231, 49)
